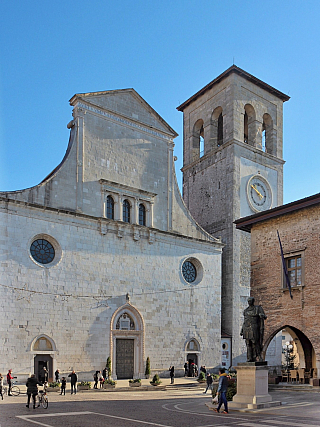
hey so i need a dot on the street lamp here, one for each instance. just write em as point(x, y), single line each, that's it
point(287, 349)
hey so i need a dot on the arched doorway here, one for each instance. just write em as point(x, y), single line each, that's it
point(127, 343)
point(303, 354)
point(192, 351)
point(43, 350)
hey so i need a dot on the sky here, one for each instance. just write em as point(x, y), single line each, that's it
point(166, 51)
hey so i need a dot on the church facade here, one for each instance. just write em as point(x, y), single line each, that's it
point(102, 259)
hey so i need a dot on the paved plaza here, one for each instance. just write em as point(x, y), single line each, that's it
point(184, 405)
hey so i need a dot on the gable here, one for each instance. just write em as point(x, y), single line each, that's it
point(127, 103)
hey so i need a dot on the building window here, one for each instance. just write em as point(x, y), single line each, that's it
point(189, 272)
point(42, 251)
point(110, 207)
point(142, 214)
point(126, 211)
point(294, 267)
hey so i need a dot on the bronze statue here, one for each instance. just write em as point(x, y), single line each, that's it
point(252, 330)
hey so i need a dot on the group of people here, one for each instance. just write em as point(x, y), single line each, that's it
point(10, 377)
point(100, 377)
point(190, 369)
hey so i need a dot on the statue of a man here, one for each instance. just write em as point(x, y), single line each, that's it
point(252, 330)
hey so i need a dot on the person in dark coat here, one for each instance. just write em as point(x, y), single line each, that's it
point(104, 373)
point(209, 382)
point(96, 379)
point(32, 389)
point(222, 389)
point(171, 369)
point(44, 375)
point(63, 385)
point(57, 375)
point(186, 369)
point(74, 380)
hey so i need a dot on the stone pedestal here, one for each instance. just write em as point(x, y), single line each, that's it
point(252, 387)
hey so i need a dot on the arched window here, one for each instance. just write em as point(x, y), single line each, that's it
point(268, 136)
point(142, 214)
point(198, 140)
point(126, 211)
point(249, 129)
point(110, 207)
point(220, 130)
point(125, 323)
point(216, 131)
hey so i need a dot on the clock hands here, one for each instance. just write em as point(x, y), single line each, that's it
point(257, 191)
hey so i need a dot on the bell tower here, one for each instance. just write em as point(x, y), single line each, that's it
point(233, 167)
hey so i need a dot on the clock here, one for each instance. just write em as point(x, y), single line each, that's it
point(259, 193)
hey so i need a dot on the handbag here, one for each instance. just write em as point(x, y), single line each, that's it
point(215, 399)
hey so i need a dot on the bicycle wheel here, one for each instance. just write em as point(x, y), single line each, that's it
point(15, 390)
point(45, 402)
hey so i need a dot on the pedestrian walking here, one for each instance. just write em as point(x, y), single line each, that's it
point(74, 379)
point(104, 373)
point(209, 383)
point(57, 376)
point(171, 369)
point(222, 391)
point(186, 369)
point(63, 386)
point(32, 389)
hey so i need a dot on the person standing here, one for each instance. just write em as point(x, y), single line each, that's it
point(171, 369)
point(222, 389)
point(74, 379)
point(32, 389)
point(63, 386)
point(104, 373)
point(96, 379)
point(10, 377)
point(209, 382)
point(57, 376)
point(1, 386)
point(186, 369)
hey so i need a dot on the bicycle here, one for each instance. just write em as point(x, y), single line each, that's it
point(15, 390)
point(42, 399)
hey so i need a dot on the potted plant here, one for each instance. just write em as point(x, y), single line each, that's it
point(109, 383)
point(155, 380)
point(202, 378)
point(84, 385)
point(135, 383)
point(53, 386)
point(147, 371)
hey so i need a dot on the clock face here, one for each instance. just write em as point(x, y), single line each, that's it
point(259, 193)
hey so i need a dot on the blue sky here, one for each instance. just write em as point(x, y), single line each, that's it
point(166, 51)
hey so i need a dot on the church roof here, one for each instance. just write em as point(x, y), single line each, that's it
point(242, 73)
point(247, 222)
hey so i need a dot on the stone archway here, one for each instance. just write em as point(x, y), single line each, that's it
point(304, 346)
point(43, 350)
point(127, 343)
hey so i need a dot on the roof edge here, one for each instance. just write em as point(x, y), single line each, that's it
point(242, 73)
point(246, 223)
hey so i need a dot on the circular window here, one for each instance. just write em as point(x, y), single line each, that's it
point(189, 271)
point(42, 251)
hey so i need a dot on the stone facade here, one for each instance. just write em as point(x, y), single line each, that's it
point(238, 118)
point(298, 225)
point(108, 270)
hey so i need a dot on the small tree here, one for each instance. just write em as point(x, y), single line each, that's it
point(148, 370)
point(108, 367)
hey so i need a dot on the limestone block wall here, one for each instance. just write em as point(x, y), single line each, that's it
point(72, 302)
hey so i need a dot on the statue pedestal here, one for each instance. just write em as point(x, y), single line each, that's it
point(252, 387)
